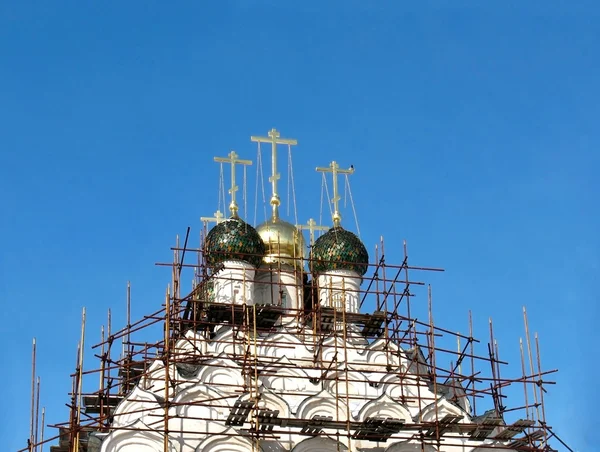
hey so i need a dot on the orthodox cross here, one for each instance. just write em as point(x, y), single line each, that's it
point(335, 170)
point(274, 139)
point(232, 158)
point(218, 217)
point(312, 227)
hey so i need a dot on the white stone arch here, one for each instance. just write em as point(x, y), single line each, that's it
point(439, 409)
point(226, 341)
point(270, 400)
point(386, 407)
point(406, 446)
point(139, 438)
point(196, 412)
point(323, 404)
point(200, 396)
point(222, 373)
point(382, 352)
point(154, 380)
point(345, 351)
point(229, 440)
point(285, 344)
point(138, 405)
point(319, 444)
point(352, 386)
point(284, 376)
point(192, 345)
point(409, 389)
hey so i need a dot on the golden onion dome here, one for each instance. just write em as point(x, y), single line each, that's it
point(284, 243)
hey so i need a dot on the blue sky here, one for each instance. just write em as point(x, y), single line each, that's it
point(472, 128)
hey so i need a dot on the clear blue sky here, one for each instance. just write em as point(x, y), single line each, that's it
point(473, 130)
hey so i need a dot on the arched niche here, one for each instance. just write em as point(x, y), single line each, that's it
point(229, 440)
point(385, 407)
point(323, 404)
point(138, 405)
point(319, 444)
point(406, 446)
point(137, 438)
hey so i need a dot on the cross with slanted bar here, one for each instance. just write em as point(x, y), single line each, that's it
point(232, 158)
point(218, 217)
point(335, 170)
point(312, 227)
point(274, 139)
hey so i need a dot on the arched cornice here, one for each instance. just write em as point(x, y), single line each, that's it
point(285, 344)
point(284, 375)
point(439, 409)
point(384, 406)
point(138, 438)
point(222, 373)
point(406, 446)
point(227, 340)
point(138, 405)
point(154, 380)
point(229, 440)
point(323, 404)
point(319, 444)
point(269, 400)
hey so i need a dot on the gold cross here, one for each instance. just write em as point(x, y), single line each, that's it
point(312, 227)
point(218, 217)
point(232, 158)
point(274, 139)
point(335, 170)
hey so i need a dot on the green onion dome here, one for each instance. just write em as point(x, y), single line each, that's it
point(339, 249)
point(234, 240)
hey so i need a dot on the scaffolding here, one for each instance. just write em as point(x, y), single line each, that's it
point(405, 353)
point(296, 359)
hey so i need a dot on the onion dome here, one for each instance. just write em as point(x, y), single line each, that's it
point(234, 240)
point(284, 243)
point(339, 249)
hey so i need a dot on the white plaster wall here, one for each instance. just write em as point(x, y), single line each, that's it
point(281, 287)
point(234, 283)
point(339, 288)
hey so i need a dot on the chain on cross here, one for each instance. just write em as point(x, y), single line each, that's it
point(274, 138)
point(233, 159)
point(334, 169)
